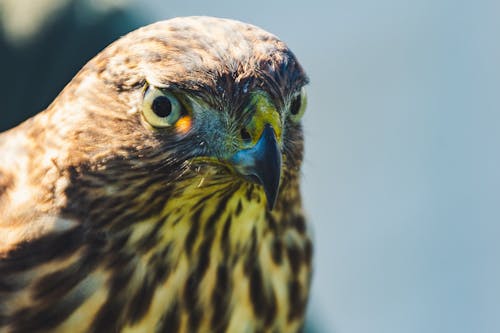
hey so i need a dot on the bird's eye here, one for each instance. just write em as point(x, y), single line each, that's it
point(298, 105)
point(161, 108)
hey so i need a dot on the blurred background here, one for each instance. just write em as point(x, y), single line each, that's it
point(401, 176)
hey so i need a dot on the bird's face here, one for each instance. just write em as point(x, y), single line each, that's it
point(246, 142)
point(197, 96)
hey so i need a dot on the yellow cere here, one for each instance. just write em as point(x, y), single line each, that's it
point(265, 113)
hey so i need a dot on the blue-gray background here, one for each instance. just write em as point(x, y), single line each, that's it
point(401, 175)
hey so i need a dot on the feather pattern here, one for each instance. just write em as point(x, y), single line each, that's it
point(110, 225)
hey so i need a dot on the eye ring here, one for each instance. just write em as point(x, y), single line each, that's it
point(161, 108)
point(298, 105)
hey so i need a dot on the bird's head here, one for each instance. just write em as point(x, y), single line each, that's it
point(180, 97)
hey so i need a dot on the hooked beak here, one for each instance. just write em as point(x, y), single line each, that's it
point(261, 164)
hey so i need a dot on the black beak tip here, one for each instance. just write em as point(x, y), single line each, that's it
point(271, 196)
point(270, 190)
point(269, 166)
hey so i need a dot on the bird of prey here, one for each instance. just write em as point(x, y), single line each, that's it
point(159, 192)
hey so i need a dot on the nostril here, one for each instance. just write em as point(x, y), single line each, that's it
point(245, 135)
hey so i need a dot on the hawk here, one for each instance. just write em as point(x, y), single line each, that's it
point(159, 192)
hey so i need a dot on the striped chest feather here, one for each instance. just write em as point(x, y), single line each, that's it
point(212, 259)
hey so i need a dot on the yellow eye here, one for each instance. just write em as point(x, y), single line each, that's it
point(298, 105)
point(161, 108)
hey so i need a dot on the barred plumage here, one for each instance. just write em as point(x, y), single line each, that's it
point(110, 223)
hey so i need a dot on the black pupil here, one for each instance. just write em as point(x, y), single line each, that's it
point(295, 107)
point(162, 106)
